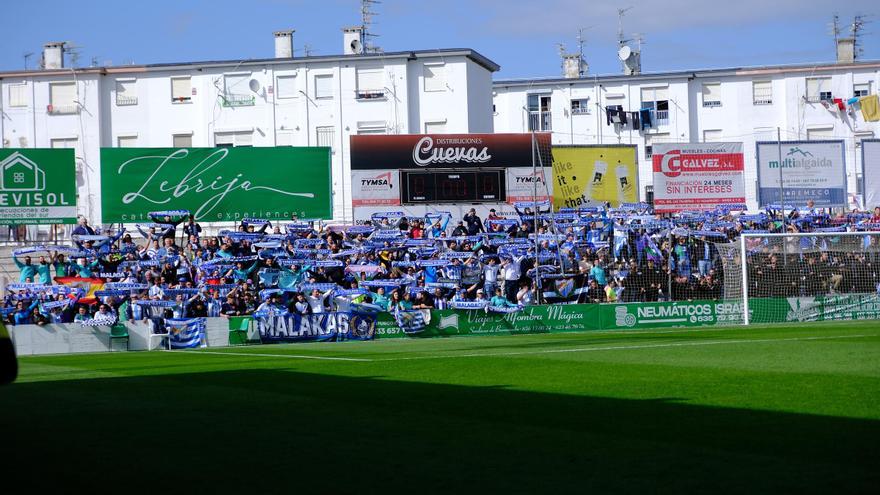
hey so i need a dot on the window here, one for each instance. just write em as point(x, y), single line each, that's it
point(818, 89)
point(712, 94)
point(324, 86)
point(862, 135)
point(18, 95)
point(236, 139)
point(580, 107)
point(539, 113)
point(126, 93)
point(438, 127)
point(370, 84)
point(285, 87)
point(63, 143)
point(371, 127)
point(820, 133)
point(762, 93)
point(237, 91)
point(713, 136)
point(182, 141)
point(126, 142)
point(650, 139)
point(861, 89)
point(181, 89)
point(62, 98)
point(325, 136)
point(657, 100)
point(435, 77)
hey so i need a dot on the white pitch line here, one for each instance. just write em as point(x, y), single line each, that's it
point(289, 356)
point(624, 347)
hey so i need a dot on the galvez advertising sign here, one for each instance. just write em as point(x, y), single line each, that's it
point(216, 184)
point(37, 186)
point(697, 176)
point(810, 170)
point(458, 151)
point(592, 175)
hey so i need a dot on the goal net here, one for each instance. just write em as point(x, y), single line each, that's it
point(777, 278)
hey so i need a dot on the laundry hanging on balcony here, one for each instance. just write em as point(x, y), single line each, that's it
point(870, 108)
point(645, 117)
point(614, 114)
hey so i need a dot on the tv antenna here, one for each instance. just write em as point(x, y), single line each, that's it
point(855, 29)
point(26, 56)
point(75, 52)
point(620, 13)
point(367, 23)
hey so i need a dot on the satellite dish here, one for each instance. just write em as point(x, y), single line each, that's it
point(254, 85)
point(355, 46)
point(624, 53)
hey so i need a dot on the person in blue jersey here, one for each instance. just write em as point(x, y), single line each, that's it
point(28, 269)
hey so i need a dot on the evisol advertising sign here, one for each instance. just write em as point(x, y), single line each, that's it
point(810, 170)
point(37, 186)
point(697, 176)
point(216, 184)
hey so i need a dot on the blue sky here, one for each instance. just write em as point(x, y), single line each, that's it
point(521, 36)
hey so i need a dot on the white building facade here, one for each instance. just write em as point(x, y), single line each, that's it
point(745, 105)
point(310, 101)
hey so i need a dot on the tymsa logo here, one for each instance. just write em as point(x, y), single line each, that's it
point(20, 174)
point(379, 182)
point(530, 178)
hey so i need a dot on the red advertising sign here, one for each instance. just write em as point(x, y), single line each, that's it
point(697, 176)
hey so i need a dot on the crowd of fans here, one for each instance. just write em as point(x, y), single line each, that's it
point(395, 262)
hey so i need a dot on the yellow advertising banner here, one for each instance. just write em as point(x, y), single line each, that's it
point(591, 175)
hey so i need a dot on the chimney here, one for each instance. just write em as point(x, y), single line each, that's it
point(573, 66)
point(353, 40)
point(284, 44)
point(846, 50)
point(53, 55)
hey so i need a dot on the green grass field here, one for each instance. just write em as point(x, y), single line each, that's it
point(786, 409)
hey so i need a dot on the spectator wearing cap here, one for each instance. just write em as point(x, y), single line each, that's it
point(474, 224)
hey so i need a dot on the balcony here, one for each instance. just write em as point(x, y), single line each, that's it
point(71, 109)
point(229, 100)
point(661, 117)
point(124, 101)
point(369, 94)
point(540, 121)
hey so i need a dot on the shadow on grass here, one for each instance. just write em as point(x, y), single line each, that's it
point(272, 430)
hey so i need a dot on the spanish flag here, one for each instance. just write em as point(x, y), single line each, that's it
point(89, 285)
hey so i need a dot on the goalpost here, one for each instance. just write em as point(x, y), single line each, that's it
point(796, 277)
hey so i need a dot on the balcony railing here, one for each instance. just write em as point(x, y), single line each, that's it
point(237, 100)
point(122, 101)
point(661, 117)
point(62, 109)
point(540, 121)
point(369, 94)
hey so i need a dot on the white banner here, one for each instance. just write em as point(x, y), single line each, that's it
point(375, 188)
point(697, 176)
point(871, 172)
point(521, 182)
point(810, 170)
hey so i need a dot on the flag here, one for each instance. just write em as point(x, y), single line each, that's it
point(651, 250)
point(563, 290)
point(186, 333)
point(88, 285)
point(620, 240)
point(411, 321)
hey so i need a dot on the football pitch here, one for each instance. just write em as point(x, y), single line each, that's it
point(783, 409)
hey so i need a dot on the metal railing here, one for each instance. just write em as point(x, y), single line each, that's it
point(661, 117)
point(122, 101)
point(62, 109)
point(230, 100)
point(540, 121)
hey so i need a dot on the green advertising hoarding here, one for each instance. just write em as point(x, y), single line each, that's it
point(37, 186)
point(216, 184)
